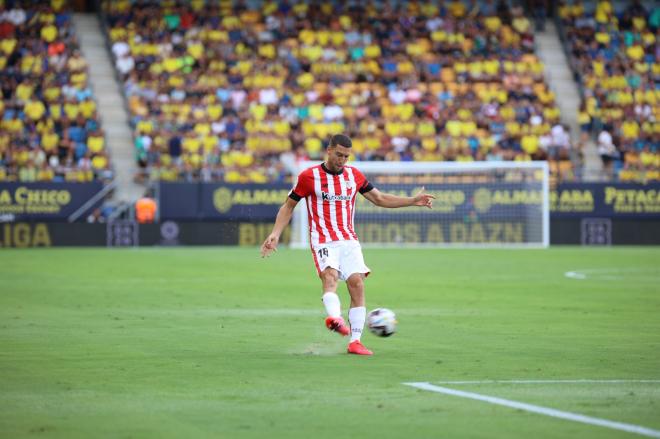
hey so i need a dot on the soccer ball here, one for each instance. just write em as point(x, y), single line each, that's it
point(381, 322)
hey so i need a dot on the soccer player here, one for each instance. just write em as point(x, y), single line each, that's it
point(330, 190)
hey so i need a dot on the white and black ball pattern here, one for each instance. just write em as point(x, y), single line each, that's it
point(381, 322)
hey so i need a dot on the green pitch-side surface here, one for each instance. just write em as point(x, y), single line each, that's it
point(219, 343)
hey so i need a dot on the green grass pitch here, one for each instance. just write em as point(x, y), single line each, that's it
point(219, 343)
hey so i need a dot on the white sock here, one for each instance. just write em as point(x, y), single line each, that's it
point(331, 303)
point(356, 317)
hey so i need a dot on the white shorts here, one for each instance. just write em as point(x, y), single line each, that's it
point(344, 256)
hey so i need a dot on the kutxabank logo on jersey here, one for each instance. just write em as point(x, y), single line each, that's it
point(333, 197)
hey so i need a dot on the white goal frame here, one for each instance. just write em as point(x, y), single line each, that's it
point(300, 227)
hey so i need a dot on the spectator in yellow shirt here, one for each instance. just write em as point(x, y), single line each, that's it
point(49, 33)
point(35, 109)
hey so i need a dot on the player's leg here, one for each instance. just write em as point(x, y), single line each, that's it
point(355, 270)
point(334, 321)
point(358, 312)
point(326, 259)
point(329, 278)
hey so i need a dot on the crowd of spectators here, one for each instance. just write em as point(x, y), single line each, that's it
point(614, 51)
point(223, 91)
point(49, 127)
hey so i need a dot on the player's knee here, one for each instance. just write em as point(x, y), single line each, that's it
point(355, 282)
point(329, 277)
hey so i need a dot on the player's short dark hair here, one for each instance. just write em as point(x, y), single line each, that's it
point(341, 139)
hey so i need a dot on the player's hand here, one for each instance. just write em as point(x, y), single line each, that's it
point(424, 200)
point(269, 246)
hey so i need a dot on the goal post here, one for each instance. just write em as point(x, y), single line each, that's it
point(477, 204)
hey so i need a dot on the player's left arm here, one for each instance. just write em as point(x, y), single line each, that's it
point(382, 199)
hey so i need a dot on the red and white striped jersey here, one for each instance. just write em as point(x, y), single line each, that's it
point(330, 199)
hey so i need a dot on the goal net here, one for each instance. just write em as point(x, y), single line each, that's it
point(486, 204)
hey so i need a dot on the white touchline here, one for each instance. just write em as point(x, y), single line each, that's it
point(630, 428)
point(579, 381)
point(575, 275)
point(613, 273)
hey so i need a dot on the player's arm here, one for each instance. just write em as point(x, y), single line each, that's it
point(382, 199)
point(281, 221)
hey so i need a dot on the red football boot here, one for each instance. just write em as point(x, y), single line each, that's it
point(357, 348)
point(337, 324)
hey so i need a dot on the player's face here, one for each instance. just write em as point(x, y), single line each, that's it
point(337, 157)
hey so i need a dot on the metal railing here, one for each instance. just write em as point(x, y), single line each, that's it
point(93, 200)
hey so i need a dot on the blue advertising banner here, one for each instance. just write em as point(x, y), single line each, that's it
point(257, 202)
point(243, 201)
point(179, 201)
point(227, 202)
point(608, 200)
point(221, 202)
point(460, 200)
point(44, 201)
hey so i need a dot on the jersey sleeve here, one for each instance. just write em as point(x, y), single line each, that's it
point(304, 186)
point(363, 185)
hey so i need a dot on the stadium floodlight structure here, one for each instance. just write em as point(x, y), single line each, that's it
point(477, 204)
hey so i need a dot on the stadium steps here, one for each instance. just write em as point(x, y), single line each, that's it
point(111, 106)
point(560, 77)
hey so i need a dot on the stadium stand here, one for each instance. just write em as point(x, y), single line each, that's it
point(224, 92)
point(614, 52)
point(50, 126)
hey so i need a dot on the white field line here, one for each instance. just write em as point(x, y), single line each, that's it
point(580, 381)
point(613, 273)
point(575, 275)
point(630, 428)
